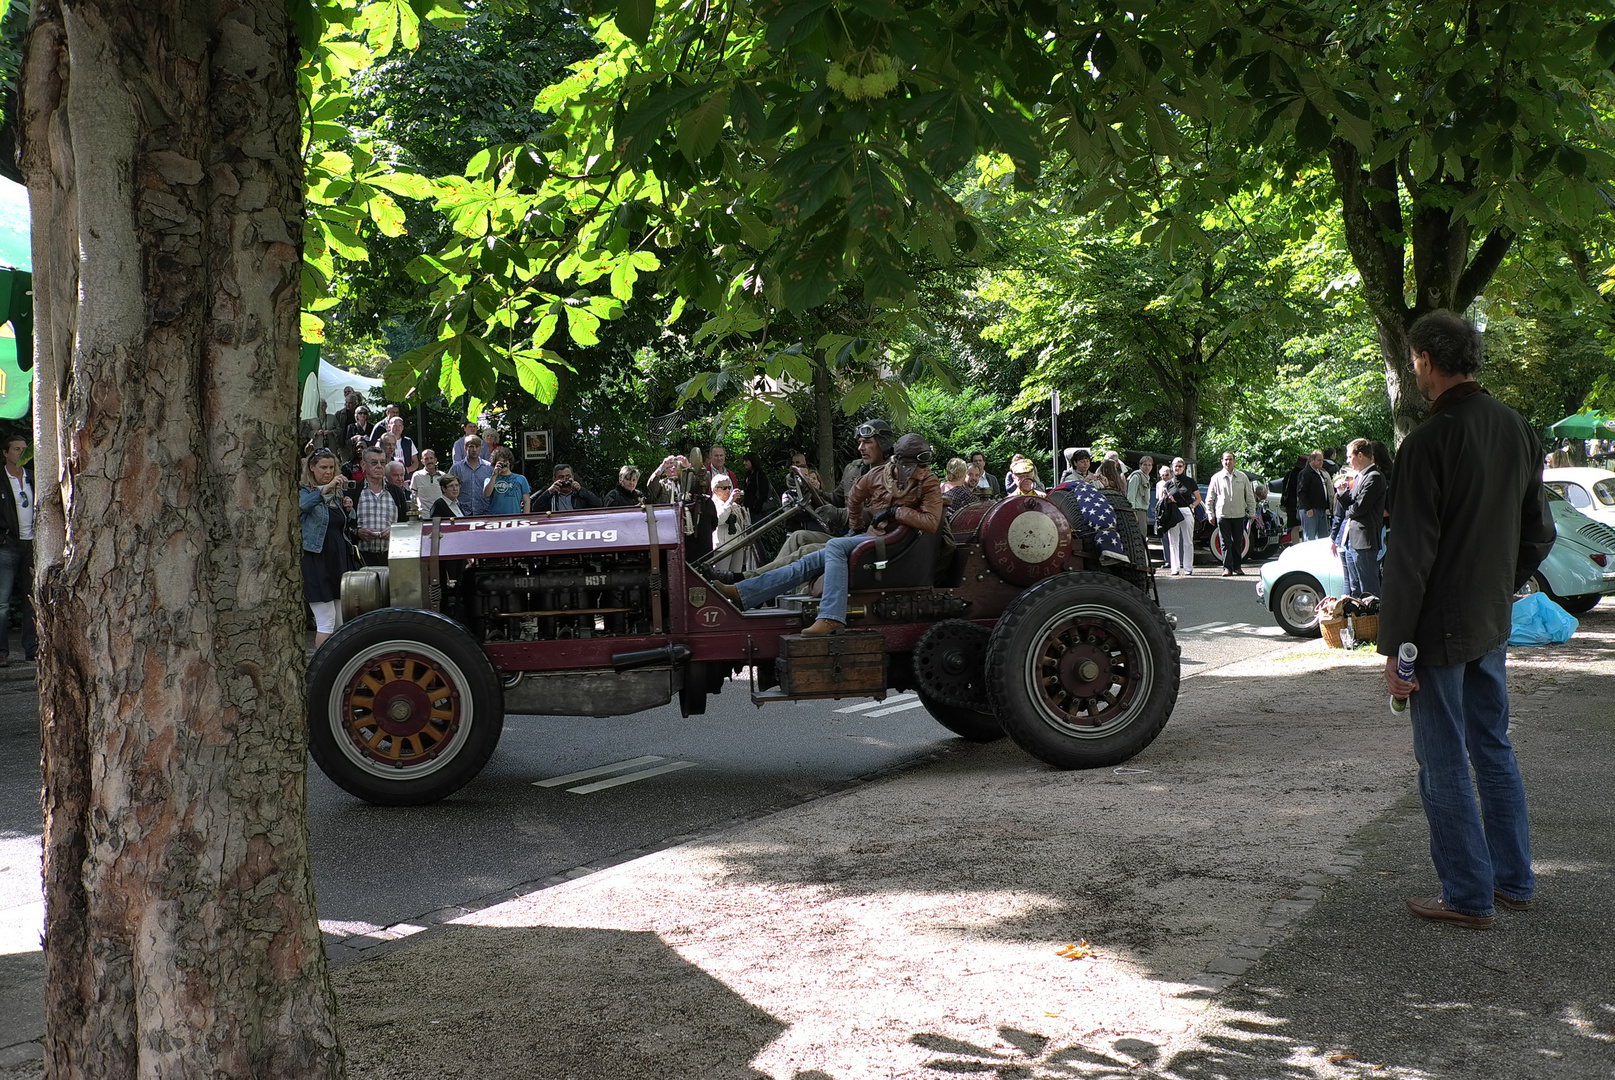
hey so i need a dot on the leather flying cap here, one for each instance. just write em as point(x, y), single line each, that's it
point(910, 452)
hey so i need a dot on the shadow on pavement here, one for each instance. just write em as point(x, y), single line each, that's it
point(546, 1002)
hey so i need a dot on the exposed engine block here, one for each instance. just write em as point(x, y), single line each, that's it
point(553, 598)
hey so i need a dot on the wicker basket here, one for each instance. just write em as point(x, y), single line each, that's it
point(1365, 627)
point(1331, 629)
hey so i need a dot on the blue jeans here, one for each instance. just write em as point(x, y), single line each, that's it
point(1460, 718)
point(17, 559)
point(1362, 571)
point(831, 560)
point(1314, 524)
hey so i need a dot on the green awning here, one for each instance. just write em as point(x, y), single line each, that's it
point(1587, 425)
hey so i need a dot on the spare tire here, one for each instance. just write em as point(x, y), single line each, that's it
point(1138, 573)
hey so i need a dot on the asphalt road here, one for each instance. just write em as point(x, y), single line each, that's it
point(375, 866)
point(663, 778)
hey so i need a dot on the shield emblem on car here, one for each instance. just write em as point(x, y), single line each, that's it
point(698, 598)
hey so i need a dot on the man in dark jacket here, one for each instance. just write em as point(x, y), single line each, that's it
point(1466, 539)
point(1363, 506)
point(1312, 498)
point(17, 547)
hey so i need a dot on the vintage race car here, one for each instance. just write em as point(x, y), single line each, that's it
point(1025, 628)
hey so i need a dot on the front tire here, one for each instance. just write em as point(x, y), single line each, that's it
point(1295, 604)
point(1083, 671)
point(404, 707)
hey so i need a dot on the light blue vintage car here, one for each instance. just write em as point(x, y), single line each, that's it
point(1578, 572)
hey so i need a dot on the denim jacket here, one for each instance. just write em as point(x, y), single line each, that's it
point(311, 511)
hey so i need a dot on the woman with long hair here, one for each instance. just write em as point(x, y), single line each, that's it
point(323, 512)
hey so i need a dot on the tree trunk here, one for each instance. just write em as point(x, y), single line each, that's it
point(1445, 273)
point(824, 419)
point(1188, 424)
point(162, 149)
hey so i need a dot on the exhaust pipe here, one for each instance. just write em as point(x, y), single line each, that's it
point(667, 654)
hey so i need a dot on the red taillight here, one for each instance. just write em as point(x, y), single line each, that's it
point(1601, 559)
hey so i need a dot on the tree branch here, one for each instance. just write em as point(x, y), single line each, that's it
point(1481, 268)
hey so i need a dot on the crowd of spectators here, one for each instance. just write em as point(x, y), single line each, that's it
point(390, 479)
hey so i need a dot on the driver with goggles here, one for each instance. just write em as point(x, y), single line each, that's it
point(902, 491)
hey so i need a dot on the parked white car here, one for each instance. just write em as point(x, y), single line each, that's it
point(1592, 491)
point(1578, 572)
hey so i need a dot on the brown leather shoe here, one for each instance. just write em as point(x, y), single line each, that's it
point(825, 626)
point(1511, 903)
point(726, 590)
point(1431, 907)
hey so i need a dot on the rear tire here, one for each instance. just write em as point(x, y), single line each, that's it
point(404, 707)
point(968, 724)
point(1579, 605)
point(1083, 671)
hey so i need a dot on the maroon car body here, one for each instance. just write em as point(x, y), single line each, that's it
point(1022, 628)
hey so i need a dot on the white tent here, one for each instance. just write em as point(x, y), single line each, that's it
point(329, 386)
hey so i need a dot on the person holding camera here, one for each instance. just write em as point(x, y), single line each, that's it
point(565, 493)
point(507, 492)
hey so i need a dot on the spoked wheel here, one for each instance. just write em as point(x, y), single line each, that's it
point(1083, 671)
point(950, 665)
point(403, 707)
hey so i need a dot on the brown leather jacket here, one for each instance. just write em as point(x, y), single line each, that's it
point(919, 505)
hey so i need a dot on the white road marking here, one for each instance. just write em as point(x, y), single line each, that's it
point(615, 781)
point(874, 704)
point(915, 704)
point(1202, 626)
point(557, 781)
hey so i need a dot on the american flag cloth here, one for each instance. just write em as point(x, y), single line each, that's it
point(1099, 516)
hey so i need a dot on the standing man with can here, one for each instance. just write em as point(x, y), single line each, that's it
point(1465, 540)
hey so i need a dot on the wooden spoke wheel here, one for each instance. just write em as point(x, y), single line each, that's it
point(404, 707)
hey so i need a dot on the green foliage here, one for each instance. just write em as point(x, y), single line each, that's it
point(1546, 363)
point(1330, 390)
point(957, 423)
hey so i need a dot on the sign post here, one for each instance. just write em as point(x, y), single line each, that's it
point(1054, 436)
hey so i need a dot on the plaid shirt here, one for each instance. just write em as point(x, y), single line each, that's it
point(376, 511)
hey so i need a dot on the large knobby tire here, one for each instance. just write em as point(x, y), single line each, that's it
point(1294, 604)
point(404, 707)
point(1083, 671)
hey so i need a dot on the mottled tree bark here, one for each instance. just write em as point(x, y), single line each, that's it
point(161, 147)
